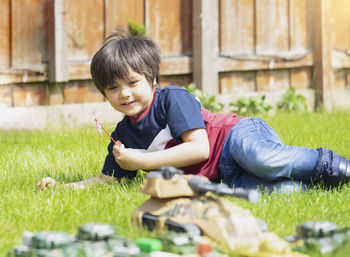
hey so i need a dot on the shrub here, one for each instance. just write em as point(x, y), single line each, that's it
point(208, 101)
point(292, 102)
point(250, 106)
point(136, 29)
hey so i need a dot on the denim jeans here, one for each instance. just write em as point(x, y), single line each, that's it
point(254, 156)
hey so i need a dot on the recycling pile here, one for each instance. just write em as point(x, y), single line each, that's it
point(193, 206)
point(101, 240)
point(323, 237)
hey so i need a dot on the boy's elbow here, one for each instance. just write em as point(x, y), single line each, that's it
point(204, 153)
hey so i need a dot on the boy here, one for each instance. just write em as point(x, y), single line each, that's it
point(168, 127)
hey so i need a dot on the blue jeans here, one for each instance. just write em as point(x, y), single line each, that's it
point(254, 156)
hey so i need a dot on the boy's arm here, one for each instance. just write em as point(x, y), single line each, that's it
point(102, 179)
point(193, 150)
point(50, 182)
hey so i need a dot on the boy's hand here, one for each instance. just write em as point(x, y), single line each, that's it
point(127, 158)
point(46, 183)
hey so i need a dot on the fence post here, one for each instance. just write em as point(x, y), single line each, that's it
point(57, 45)
point(322, 53)
point(206, 45)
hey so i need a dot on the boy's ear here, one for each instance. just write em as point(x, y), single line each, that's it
point(154, 82)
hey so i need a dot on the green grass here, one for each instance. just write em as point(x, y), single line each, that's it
point(72, 155)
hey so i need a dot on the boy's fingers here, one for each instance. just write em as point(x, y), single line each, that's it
point(115, 151)
point(40, 184)
point(46, 183)
point(117, 147)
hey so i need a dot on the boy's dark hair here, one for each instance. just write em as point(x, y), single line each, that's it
point(122, 51)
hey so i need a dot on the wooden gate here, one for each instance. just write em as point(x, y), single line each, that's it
point(227, 47)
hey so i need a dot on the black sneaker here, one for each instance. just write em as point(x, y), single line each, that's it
point(331, 168)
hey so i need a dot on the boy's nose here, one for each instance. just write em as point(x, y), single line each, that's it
point(125, 92)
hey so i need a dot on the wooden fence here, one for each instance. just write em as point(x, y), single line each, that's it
point(227, 47)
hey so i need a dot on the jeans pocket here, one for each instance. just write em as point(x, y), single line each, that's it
point(224, 168)
point(268, 133)
point(227, 171)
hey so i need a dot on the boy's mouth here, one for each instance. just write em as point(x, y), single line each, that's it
point(128, 103)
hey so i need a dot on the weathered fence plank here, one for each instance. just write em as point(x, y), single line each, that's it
point(323, 51)
point(340, 23)
point(237, 82)
point(300, 78)
point(57, 47)
point(299, 42)
point(299, 27)
point(165, 25)
point(85, 28)
point(5, 40)
point(272, 80)
point(205, 45)
point(271, 26)
point(237, 27)
point(176, 65)
point(119, 12)
point(257, 63)
point(27, 35)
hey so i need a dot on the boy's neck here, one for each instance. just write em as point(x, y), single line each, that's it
point(133, 120)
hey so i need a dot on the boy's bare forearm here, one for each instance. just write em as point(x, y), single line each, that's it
point(193, 150)
point(185, 154)
point(182, 155)
point(84, 183)
point(102, 179)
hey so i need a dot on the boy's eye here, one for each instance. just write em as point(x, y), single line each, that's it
point(112, 87)
point(133, 82)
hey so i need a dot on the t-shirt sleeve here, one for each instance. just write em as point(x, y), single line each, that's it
point(111, 167)
point(183, 112)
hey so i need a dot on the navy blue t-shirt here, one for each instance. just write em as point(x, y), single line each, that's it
point(173, 111)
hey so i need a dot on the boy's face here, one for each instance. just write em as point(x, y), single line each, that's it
point(130, 97)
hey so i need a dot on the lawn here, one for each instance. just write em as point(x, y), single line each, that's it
point(72, 155)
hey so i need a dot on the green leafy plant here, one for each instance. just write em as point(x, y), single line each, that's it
point(292, 102)
point(136, 29)
point(208, 101)
point(250, 106)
